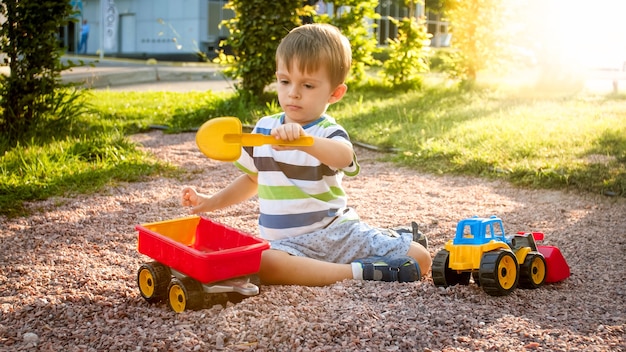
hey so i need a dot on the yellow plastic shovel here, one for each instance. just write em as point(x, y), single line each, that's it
point(221, 139)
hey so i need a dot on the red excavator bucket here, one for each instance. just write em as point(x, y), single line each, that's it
point(557, 268)
point(556, 265)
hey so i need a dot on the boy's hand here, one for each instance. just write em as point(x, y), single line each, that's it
point(288, 132)
point(244, 187)
point(191, 198)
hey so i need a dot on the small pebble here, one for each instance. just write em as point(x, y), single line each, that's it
point(31, 338)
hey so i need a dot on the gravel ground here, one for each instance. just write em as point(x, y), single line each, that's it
point(67, 272)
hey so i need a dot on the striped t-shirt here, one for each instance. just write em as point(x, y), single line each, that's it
point(297, 194)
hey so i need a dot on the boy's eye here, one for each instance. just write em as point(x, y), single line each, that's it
point(308, 86)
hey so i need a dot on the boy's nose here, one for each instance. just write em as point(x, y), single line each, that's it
point(294, 93)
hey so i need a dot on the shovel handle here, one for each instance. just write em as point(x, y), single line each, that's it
point(257, 139)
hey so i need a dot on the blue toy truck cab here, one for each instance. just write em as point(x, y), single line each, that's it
point(477, 231)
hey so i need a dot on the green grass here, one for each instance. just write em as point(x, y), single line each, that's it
point(138, 111)
point(71, 166)
point(575, 142)
point(92, 150)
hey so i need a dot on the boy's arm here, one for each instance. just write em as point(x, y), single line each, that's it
point(241, 189)
point(336, 154)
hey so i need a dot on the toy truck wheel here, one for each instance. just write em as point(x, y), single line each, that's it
point(152, 280)
point(443, 276)
point(533, 271)
point(499, 272)
point(185, 293)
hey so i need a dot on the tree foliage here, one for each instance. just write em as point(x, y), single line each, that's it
point(255, 32)
point(407, 57)
point(478, 29)
point(355, 20)
point(435, 6)
point(258, 26)
point(30, 94)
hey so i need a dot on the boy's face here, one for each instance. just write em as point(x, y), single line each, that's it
point(305, 96)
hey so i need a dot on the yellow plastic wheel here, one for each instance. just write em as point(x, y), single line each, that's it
point(499, 272)
point(152, 280)
point(533, 272)
point(177, 298)
point(507, 272)
point(146, 282)
point(185, 293)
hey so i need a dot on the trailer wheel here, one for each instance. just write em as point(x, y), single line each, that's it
point(533, 271)
point(185, 293)
point(152, 280)
point(499, 272)
point(443, 276)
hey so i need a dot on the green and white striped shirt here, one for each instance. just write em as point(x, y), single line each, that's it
point(297, 193)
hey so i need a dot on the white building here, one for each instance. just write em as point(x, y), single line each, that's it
point(147, 28)
point(168, 29)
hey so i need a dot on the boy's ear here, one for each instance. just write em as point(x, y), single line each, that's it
point(338, 93)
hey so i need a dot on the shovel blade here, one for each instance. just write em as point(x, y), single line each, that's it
point(210, 138)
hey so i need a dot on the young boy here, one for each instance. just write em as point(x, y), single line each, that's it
point(315, 238)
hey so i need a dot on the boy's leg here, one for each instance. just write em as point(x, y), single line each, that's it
point(281, 268)
point(421, 256)
point(290, 261)
point(418, 249)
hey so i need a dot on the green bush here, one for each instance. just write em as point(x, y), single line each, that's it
point(255, 32)
point(354, 25)
point(444, 60)
point(382, 55)
point(407, 58)
point(32, 94)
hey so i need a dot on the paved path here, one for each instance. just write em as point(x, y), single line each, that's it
point(143, 75)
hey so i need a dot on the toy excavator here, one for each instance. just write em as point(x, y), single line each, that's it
point(497, 262)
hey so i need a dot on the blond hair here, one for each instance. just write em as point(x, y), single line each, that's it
point(314, 45)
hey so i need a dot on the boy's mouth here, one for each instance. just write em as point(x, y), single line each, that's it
point(293, 107)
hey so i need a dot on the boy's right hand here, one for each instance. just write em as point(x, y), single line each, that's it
point(191, 198)
point(244, 187)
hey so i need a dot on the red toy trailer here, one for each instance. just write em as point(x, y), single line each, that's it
point(193, 256)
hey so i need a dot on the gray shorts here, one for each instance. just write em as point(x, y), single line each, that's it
point(346, 242)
